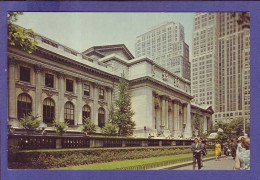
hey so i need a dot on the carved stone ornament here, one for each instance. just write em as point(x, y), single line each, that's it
point(87, 101)
point(153, 71)
point(165, 76)
point(49, 93)
point(102, 103)
point(25, 88)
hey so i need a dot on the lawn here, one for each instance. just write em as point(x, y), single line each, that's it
point(145, 163)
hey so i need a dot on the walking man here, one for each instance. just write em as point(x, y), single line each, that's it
point(196, 149)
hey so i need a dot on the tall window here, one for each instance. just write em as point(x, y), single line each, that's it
point(49, 80)
point(101, 117)
point(24, 74)
point(24, 105)
point(69, 113)
point(86, 90)
point(48, 111)
point(101, 93)
point(69, 85)
point(86, 112)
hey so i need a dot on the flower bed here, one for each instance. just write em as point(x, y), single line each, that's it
point(45, 159)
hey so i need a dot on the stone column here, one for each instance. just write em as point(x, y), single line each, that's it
point(11, 90)
point(109, 101)
point(153, 111)
point(163, 111)
point(205, 127)
point(166, 114)
point(79, 101)
point(38, 91)
point(170, 118)
point(60, 113)
point(188, 132)
point(95, 107)
point(175, 116)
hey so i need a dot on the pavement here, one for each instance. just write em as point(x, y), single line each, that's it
point(225, 163)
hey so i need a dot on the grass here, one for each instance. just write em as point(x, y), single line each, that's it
point(145, 163)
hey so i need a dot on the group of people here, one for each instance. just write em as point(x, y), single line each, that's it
point(239, 151)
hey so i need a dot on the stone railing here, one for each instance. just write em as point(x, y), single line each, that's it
point(23, 141)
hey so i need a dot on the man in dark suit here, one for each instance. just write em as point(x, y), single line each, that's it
point(196, 149)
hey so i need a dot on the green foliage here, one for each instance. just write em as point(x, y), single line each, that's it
point(18, 36)
point(233, 129)
point(109, 129)
point(197, 124)
point(88, 126)
point(30, 122)
point(222, 137)
point(210, 128)
point(54, 159)
point(122, 114)
point(60, 127)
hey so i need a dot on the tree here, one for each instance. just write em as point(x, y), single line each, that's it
point(222, 137)
point(109, 129)
point(20, 37)
point(243, 19)
point(88, 126)
point(30, 122)
point(60, 127)
point(122, 114)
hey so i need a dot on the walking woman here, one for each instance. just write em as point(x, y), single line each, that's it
point(217, 150)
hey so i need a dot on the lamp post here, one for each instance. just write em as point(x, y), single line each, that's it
point(144, 131)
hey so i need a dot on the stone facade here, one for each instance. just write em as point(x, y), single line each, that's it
point(60, 84)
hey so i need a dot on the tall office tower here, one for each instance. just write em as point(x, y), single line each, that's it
point(165, 45)
point(231, 70)
point(204, 63)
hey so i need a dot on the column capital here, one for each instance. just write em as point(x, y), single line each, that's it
point(60, 75)
point(12, 62)
point(95, 85)
point(78, 80)
point(38, 68)
point(109, 88)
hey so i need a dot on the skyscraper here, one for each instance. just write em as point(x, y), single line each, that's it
point(165, 45)
point(221, 64)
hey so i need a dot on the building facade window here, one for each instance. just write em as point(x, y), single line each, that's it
point(86, 112)
point(86, 90)
point(69, 85)
point(101, 117)
point(25, 74)
point(48, 111)
point(101, 93)
point(69, 113)
point(24, 105)
point(49, 80)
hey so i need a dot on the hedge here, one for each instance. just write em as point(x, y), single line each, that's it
point(45, 159)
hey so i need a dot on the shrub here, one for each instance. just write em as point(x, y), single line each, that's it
point(109, 129)
point(60, 127)
point(88, 126)
point(30, 122)
point(54, 159)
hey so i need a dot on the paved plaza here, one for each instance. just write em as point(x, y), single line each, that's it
point(225, 163)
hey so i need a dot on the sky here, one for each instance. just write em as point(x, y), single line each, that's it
point(82, 30)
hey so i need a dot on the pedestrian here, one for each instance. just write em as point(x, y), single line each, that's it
point(203, 151)
point(242, 160)
point(234, 148)
point(240, 145)
point(196, 150)
point(217, 150)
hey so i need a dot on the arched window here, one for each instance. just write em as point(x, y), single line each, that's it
point(69, 113)
point(86, 112)
point(24, 105)
point(101, 117)
point(48, 111)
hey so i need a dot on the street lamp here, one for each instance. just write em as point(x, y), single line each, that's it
point(144, 131)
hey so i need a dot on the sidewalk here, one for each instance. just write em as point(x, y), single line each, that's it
point(175, 166)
